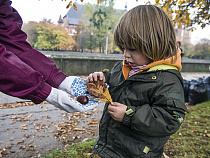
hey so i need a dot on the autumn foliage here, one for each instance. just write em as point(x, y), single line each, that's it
point(47, 36)
point(99, 89)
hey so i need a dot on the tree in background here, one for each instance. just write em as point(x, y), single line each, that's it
point(201, 50)
point(187, 12)
point(47, 36)
point(80, 37)
point(96, 26)
point(97, 21)
point(30, 29)
point(188, 49)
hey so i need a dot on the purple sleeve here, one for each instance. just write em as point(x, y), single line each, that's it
point(14, 40)
point(20, 80)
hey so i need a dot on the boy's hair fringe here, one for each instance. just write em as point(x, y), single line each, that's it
point(149, 30)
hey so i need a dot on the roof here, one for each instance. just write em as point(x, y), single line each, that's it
point(74, 15)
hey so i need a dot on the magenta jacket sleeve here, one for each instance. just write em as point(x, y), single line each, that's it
point(14, 40)
point(20, 80)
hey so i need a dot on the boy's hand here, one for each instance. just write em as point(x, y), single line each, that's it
point(117, 111)
point(95, 76)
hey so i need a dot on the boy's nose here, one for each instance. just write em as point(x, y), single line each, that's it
point(126, 53)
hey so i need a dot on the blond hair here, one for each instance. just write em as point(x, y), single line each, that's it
point(147, 29)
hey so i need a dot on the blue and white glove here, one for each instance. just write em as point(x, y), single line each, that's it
point(73, 85)
point(63, 100)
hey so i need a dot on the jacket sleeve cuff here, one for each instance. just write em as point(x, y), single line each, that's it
point(42, 95)
point(128, 115)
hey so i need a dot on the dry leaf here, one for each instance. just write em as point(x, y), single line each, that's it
point(22, 141)
point(25, 135)
point(86, 139)
point(69, 4)
point(24, 127)
point(75, 7)
point(99, 90)
point(31, 148)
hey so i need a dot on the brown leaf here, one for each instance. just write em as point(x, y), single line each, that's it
point(31, 148)
point(75, 137)
point(78, 129)
point(22, 141)
point(25, 135)
point(86, 139)
point(24, 127)
point(69, 4)
point(99, 90)
point(74, 5)
point(22, 147)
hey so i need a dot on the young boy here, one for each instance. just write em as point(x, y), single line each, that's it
point(146, 88)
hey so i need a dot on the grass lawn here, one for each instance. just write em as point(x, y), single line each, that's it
point(191, 141)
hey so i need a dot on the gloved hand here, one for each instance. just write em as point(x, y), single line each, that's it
point(73, 85)
point(63, 100)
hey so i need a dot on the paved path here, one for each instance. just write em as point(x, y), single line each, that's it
point(30, 131)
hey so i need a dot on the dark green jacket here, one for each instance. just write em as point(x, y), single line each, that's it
point(156, 109)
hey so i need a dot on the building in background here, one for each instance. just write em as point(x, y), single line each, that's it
point(73, 18)
point(183, 35)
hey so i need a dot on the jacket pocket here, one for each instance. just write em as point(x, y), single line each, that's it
point(131, 148)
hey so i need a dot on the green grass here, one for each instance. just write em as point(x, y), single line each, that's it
point(190, 141)
point(80, 150)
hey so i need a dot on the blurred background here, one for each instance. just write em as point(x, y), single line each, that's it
point(87, 25)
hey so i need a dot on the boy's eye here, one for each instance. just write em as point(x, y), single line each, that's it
point(132, 49)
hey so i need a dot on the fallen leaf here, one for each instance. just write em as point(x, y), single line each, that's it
point(78, 129)
point(25, 135)
point(31, 148)
point(76, 137)
point(165, 156)
point(30, 115)
point(22, 141)
point(22, 147)
point(86, 139)
point(24, 127)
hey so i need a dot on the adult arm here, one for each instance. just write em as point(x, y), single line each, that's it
point(14, 40)
point(20, 80)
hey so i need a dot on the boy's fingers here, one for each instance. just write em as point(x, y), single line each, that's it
point(101, 76)
point(95, 76)
point(90, 78)
point(114, 104)
point(111, 108)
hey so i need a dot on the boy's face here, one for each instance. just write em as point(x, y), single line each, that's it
point(135, 58)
